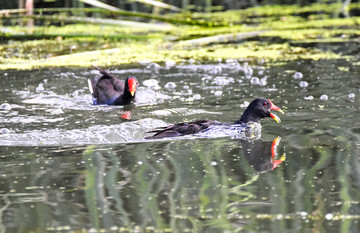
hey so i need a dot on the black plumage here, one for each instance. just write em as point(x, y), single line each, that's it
point(257, 109)
point(108, 89)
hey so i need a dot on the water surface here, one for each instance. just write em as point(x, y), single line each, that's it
point(67, 165)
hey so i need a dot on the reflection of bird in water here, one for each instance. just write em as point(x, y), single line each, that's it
point(126, 115)
point(262, 155)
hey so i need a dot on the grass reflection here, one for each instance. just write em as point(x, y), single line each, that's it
point(167, 185)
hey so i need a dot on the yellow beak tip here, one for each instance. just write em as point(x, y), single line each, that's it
point(276, 118)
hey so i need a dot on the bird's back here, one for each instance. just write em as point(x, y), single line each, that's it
point(105, 89)
point(181, 129)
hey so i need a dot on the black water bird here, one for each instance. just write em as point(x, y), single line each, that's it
point(108, 89)
point(257, 109)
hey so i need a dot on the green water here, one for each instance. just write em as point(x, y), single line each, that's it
point(67, 165)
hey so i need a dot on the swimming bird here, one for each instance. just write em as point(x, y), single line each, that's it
point(108, 89)
point(257, 109)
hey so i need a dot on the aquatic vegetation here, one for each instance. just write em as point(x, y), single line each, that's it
point(267, 33)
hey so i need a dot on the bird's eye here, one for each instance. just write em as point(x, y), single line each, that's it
point(265, 103)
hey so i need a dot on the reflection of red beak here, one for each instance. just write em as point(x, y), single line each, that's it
point(276, 108)
point(277, 163)
point(126, 115)
point(274, 153)
point(132, 86)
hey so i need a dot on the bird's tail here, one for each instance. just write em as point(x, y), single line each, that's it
point(105, 73)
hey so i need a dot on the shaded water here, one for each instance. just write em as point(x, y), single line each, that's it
point(67, 165)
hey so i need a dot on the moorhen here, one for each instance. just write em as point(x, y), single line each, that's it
point(257, 109)
point(107, 89)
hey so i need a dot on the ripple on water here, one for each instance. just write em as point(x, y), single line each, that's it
point(248, 71)
point(180, 112)
point(99, 134)
point(169, 64)
point(324, 97)
point(218, 93)
point(82, 100)
point(303, 84)
point(243, 131)
point(154, 67)
point(152, 84)
point(5, 106)
point(170, 85)
point(298, 75)
point(4, 131)
point(146, 96)
point(255, 81)
point(222, 80)
point(77, 100)
point(196, 97)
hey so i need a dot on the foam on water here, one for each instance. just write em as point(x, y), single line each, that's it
point(82, 100)
point(146, 96)
point(250, 131)
point(5, 106)
point(180, 112)
point(54, 107)
point(99, 134)
point(126, 132)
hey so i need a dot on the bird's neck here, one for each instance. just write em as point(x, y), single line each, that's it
point(125, 98)
point(248, 116)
